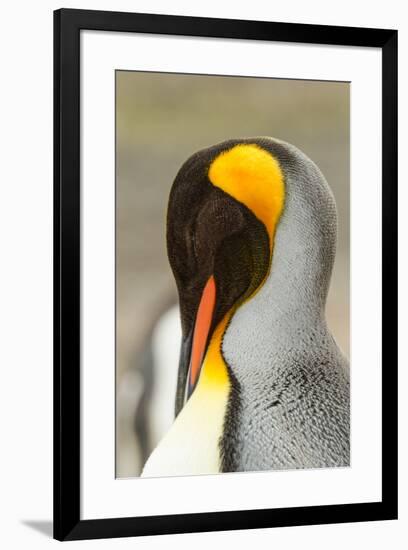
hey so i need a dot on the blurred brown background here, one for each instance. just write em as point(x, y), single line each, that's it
point(161, 119)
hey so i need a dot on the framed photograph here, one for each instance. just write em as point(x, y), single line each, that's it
point(225, 274)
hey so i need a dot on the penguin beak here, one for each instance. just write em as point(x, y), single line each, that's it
point(201, 332)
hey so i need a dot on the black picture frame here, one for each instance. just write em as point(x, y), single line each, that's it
point(67, 26)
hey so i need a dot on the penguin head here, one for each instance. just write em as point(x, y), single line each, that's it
point(229, 207)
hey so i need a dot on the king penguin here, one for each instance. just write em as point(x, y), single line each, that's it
point(262, 384)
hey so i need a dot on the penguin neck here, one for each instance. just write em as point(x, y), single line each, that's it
point(302, 260)
point(290, 304)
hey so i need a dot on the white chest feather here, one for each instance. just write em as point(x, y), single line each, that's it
point(192, 445)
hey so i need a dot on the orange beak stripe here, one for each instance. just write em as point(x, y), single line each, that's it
point(201, 329)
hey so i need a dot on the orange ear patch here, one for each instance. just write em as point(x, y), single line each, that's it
point(253, 177)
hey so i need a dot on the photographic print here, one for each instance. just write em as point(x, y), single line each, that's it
point(232, 274)
point(220, 311)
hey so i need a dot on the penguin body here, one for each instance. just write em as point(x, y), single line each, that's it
point(251, 239)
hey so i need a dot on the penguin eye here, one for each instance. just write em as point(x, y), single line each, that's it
point(190, 240)
point(194, 243)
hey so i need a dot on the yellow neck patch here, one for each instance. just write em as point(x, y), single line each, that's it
point(253, 177)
